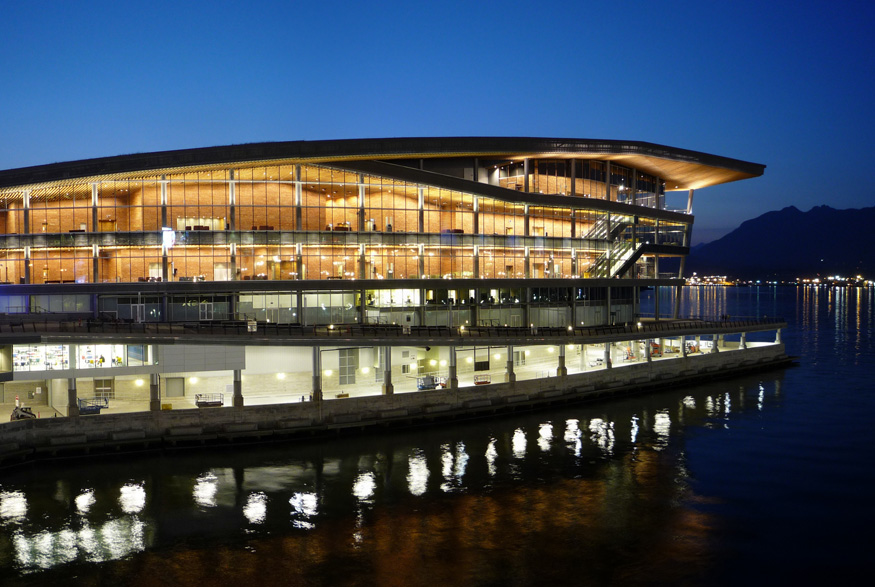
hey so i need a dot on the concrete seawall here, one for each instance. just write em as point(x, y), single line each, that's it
point(111, 433)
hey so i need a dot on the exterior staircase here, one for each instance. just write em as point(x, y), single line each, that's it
point(617, 260)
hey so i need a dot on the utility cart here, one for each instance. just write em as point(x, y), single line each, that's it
point(92, 406)
point(426, 382)
point(209, 400)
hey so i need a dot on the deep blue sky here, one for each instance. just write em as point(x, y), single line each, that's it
point(787, 84)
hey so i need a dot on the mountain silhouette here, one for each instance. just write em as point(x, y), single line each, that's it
point(788, 243)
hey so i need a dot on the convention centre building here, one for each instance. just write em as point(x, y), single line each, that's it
point(307, 271)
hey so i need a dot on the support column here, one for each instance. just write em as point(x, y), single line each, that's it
point(561, 371)
point(684, 346)
point(572, 303)
point(527, 263)
point(608, 362)
point(608, 182)
point(656, 303)
point(476, 265)
point(690, 202)
point(452, 377)
point(636, 305)
point(778, 336)
point(154, 393)
point(232, 259)
point(527, 169)
point(679, 290)
point(421, 212)
point(164, 260)
point(715, 339)
point(72, 400)
point(526, 218)
point(476, 215)
point(421, 255)
point(634, 188)
point(94, 192)
point(743, 341)
point(388, 388)
point(164, 184)
point(238, 388)
point(573, 190)
point(475, 309)
point(317, 375)
point(647, 351)
point(509, 375)
point(610, 252)
point(527, 306)
point(95, 263)
point(420, 309)
point(299, 200)
point(25, 202)
point(232, 202)
point(361, 211)
point(608, 312)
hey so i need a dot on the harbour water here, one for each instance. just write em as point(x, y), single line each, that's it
point(755, 479)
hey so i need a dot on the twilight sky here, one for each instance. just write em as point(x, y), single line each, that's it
point(787, 84)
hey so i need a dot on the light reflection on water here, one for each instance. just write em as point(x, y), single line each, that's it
point(305, 506)
point(255, 509)
point(417, 476)
point(84, 501)
point(13, 506)
point(573, 436)
point(205, 490)
point(604, 493)
point(545, 436)
point(363, 488)
point(46, 549)
point(519, 443)
point(309, 492)
point(132, 498)
point(602, 434)
point(454, 465)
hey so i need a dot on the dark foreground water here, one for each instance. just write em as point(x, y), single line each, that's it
point(755, 480)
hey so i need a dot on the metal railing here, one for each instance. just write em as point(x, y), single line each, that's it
point(271, 329)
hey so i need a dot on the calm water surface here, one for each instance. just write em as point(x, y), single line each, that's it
point(756, 479)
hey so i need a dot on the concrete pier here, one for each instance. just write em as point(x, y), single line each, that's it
point(169, 429)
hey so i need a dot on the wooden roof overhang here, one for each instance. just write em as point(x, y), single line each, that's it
point(680, 168)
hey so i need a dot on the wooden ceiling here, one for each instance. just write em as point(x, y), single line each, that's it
point(681, 169)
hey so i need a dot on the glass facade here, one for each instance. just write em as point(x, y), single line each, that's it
point(56, 357)
point(314, 222)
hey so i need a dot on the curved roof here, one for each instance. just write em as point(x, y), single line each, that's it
point(680, 168)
